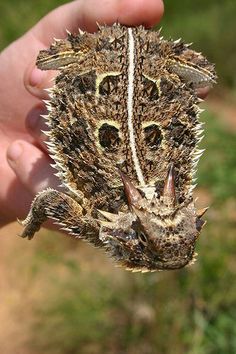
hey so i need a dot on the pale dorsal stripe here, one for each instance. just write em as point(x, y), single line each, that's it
point(130, 103)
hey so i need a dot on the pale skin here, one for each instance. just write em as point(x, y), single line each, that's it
point(24, 163)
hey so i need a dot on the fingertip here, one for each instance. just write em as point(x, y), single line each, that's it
point(203, 92)
point(142, 13)
point(129, 13)
point(36, 81)
point(14, 153)
point(85, 14)
point(37, 77)
point(31, 165)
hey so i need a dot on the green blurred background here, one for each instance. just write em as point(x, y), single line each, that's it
point(60, 296)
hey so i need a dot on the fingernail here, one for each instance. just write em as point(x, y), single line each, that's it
point(37, 77)
point(14, 151)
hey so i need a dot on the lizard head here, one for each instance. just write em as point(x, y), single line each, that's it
point(154, 234)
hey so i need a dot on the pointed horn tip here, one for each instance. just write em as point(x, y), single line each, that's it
point(201, 212)
point(169, 187)
point(99, 26)
point(20, 222)
point(124, 177)
point(171, 170)
point(108, 216)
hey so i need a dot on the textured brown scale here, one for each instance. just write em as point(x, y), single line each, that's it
point(123, 132)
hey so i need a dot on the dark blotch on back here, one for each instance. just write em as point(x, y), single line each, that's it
point(109, 137)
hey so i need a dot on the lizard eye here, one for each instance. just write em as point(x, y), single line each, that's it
point(143, 238)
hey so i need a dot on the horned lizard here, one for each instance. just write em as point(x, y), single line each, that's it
point(123, 132)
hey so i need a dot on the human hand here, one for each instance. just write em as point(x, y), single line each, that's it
point(24, 164)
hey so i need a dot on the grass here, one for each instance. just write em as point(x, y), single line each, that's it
point(85, 305)
point(218, 165)
point(210, 25)
point(19, 16)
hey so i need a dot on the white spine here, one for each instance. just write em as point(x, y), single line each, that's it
point(130, 102)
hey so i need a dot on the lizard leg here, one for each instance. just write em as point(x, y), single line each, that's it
point(55, 205)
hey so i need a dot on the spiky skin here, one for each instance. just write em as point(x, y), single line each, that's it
point(125, 102)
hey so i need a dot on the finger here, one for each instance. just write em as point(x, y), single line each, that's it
point(37, 81)
point(84, 14)
point(34, 174)
point(17, 197)
point(32, 166)
point(35, 124)
point(203, 92)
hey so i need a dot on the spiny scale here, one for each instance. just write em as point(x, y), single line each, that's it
point(123, 132)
